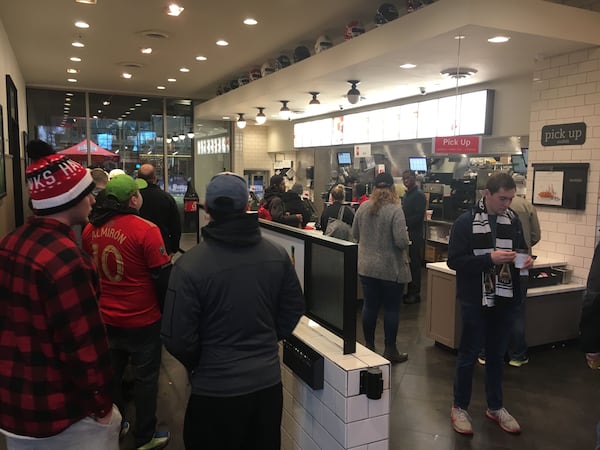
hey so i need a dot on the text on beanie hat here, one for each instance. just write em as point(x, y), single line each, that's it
point(55, 182)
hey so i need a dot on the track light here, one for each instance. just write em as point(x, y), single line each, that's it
point(260, 116)
point(241, 122)
point(314, 101)
point(353, 94)
point(285, 113)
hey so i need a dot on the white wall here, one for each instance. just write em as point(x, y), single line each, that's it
point(9, 65)
point(568, 91)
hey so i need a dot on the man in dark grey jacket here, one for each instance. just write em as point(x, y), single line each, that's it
point(230, 300)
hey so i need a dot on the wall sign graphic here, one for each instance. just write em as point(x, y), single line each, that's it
point(563, 134)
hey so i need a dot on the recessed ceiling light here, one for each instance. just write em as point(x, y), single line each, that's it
point(132, 108)
point(127, 113)
point(99, 111)
point(68, 99)
point(144, 99)
point(72, 71)
point(126, 75)
point(184, 69)
point(222, 43)
point(250, 21)
point(138, 104)
point(408, 66)
point(70, 94)
point(225, 117)
point(146, 50)
point(171, 80)
point(499, 39)
point(72, 80)
point(75, 59)
point(174, 9)
point(86, 2)
point(78, 44)
point(82, 24)
point(201, 58)
point(161, 87)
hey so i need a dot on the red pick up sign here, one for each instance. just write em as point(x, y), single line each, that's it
point(457, 144)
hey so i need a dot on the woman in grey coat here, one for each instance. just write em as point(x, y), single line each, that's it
point(383, 264)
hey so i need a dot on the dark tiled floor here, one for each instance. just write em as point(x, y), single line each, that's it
point(555, 397)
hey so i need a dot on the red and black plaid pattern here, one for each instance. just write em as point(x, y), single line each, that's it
point(54, 358)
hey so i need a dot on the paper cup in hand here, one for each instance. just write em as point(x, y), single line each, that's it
point(521, 260)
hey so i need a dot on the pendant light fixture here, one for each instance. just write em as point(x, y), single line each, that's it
point(285, 113)
point(353, 94)
point(260, 116)
point(241, 122)
point(315, 101)
point(190, 134)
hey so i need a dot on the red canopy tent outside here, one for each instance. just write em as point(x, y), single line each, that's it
point(79, 152)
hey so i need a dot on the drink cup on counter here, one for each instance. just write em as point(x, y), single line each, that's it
point(521, 259)
point(428, 214)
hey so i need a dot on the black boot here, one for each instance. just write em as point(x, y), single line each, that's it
point(394, 356)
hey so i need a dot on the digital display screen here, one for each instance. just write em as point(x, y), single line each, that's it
point(344, 159)
point(518, 163)
point(417, 164)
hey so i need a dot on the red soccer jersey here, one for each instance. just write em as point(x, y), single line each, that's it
point(125, 249)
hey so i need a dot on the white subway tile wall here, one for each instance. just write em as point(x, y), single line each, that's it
point(337, 416)
point(567, 90)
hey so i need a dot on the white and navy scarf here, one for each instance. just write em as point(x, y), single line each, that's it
point(497, 283)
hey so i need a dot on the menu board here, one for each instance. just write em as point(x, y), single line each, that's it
point(465, 114)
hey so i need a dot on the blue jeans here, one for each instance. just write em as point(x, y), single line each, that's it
point(487, 328)
point(87, 433)
point(142, 348)
point(377, 293)
point(517, 347)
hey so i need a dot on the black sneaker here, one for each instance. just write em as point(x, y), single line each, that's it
point(394, 356)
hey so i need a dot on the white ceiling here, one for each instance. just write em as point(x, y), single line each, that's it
point(40, 32)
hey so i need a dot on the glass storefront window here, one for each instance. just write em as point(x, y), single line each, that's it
point(124, 132)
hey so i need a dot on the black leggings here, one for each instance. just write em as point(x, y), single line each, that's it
point(246, 422)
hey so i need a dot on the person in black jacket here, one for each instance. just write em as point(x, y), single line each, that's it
point(414, 204)
point(336, 197)
point(274, 203)
point(231, 298)
point(293, 204)
point(160, 208)
point(482, 249)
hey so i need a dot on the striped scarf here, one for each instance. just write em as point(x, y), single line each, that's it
point(497, 282)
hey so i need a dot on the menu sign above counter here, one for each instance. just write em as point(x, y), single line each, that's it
point(465, 114)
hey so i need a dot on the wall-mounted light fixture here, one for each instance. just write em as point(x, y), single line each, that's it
point(260, 115)
point(241, 122)
point(285, 113)
point(353, 94)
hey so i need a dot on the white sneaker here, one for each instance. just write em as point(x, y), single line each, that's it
point(507, 422)
point(461, 420)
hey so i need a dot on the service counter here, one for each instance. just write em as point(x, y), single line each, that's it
point(552, 312)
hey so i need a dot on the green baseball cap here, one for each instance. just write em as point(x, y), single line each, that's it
point(123, 187)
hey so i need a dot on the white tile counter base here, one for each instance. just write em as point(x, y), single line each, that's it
point(336, 417)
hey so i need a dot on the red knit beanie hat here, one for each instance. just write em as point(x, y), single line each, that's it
point(55, 182)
